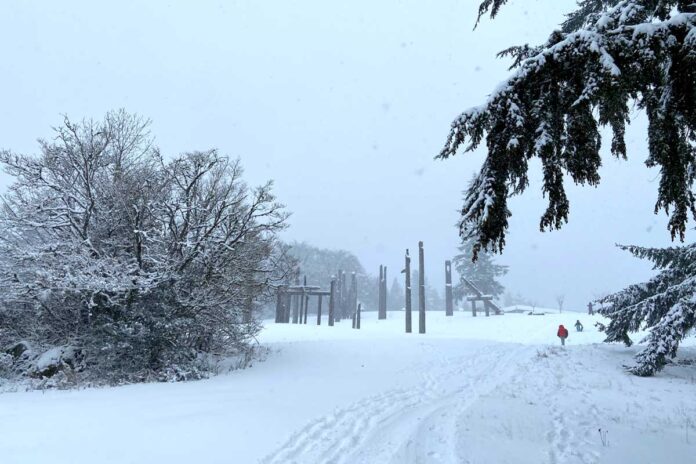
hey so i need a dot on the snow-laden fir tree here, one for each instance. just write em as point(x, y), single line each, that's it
point(666, 305)
point(483, 272)
point(607, 56)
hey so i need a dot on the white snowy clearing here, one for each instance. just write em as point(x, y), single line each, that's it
point(472, 390)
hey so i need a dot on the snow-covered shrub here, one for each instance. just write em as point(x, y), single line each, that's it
point(137, 264)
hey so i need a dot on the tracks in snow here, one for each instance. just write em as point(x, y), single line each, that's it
point(414, 425)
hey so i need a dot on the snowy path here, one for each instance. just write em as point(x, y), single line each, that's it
point(484, 391)
point(404, 425)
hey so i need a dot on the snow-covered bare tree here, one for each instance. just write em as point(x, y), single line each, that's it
point(483, 272)
point(560, 299)
point(608, 55)
point(666, 305)
point(137, 267)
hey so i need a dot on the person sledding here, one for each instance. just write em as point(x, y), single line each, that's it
point(578, 326)
point(562, 334)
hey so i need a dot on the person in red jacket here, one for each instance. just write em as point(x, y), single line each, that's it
point(562, 334)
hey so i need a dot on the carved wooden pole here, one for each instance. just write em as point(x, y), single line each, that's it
point(295, 309)
point(319, 310)
point(279, 306)
point(407, 271)
point(354, 284)
point(332, 302)
point(305, 301)
point(379, 292)
point(384, 293)
point(345, 312)
point(295, 304)
point(449, 307)
point(421, 289)
point(338, 297)
point(306, 308)
point(352, 304)
point(287, 302)
point(382, 314)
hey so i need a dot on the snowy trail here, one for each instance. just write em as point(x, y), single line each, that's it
point(415, 425)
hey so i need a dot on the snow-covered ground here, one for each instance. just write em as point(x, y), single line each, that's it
point(478, 390)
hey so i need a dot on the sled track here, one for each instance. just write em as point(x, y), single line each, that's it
point(412, 425)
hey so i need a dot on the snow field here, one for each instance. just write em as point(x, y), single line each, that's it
point(478, 390)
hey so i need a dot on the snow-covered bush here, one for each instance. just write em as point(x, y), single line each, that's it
point(136, 263)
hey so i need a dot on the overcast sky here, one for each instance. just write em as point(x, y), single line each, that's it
point(343, 104)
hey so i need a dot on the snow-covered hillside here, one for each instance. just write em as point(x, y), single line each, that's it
point(479, 390)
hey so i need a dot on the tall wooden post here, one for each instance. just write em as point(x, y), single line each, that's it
point(449, 307)
point(279, 306)
point(421, 289)
point(357, 322)
point(287, 302)
point(305, 301)
point(345, 311)
point(301, 298)
point(354, 294)
point(407, 270)
point(473, 308)
point(384, 292)
point(332, 302)
point(382, 314)
point(294, 303)
point(379, 292)
point(353, 298)
point(338, 297)
point(487, 308)
point(319, 310)
point(295, 309)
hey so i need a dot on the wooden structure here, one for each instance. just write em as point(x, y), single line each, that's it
point(292, 301)
point(478, 295)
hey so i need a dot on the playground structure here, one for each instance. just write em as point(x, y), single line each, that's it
point(487, 300)
point(292, 303)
